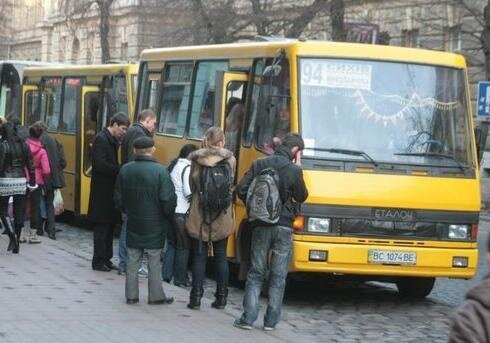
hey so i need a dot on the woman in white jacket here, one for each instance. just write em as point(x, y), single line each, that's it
point(177, 254)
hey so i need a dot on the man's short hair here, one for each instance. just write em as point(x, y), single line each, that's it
point(143, 115)
point(293, 139)
point(119, 118)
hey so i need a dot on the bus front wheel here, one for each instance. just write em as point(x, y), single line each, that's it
point(415, 287)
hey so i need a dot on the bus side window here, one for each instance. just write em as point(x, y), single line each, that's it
point(120, 93)
point(31, 107)
point(175, 98)
point(153, 82)
point(202, 112)
point(71, 99)
point(52, 108)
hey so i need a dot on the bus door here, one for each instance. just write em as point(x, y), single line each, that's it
point(230, 104)
point(89, 126)
point(30, 105)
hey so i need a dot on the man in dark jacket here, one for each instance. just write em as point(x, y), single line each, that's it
point(275, 238)
point(57, 162)
point(471, 322)
point(144, 127)
point(145, 192)
point(101, 210)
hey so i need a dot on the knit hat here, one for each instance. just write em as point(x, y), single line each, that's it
point(143, 143)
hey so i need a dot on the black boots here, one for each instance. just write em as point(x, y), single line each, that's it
point(13, 238)
point(221, 295)
point(195, 298)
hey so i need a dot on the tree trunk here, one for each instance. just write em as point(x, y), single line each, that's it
point(485, 39)
point(104, 27)
point(337, 19)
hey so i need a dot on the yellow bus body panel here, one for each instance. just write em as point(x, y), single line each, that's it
point(351, 258)
point(394, 191)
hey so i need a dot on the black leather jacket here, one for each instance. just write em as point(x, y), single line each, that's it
point(16, 159)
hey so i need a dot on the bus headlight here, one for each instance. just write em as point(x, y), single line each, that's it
point(320, 225)
point(458, 231)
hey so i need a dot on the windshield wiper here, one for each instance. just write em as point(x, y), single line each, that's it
point(349, 152)
point(433, 154)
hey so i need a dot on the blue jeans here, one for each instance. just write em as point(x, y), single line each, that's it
point(123, 249)
point(175, 264)
point(200, 259)
point(277, 239)
point(177, 253)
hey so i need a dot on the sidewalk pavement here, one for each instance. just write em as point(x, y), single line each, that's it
point(49, 293)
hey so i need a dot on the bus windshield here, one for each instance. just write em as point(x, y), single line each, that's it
point(393, 112)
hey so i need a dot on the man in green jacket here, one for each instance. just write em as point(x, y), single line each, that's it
point(145, 192)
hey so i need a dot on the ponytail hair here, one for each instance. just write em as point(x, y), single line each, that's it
point(212, 137)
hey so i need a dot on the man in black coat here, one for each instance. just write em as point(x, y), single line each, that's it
point(101, 210)
point(57, 162)
point(144, 127)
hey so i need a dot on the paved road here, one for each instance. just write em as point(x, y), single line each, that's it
point(321, 311)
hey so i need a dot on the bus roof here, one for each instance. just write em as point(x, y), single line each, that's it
point(306, 48)
point(79, 70)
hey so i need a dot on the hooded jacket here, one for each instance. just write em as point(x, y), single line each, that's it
point(471, 322)
point(40, 159)
point(223, 225)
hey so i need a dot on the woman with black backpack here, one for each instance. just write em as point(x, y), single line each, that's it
point(15, 161)
point(178, 243)
point(211, 217)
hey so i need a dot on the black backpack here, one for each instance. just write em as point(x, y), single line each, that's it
point(215, 193)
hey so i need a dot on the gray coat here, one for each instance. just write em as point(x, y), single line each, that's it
point(57, 161)
point(471, 322)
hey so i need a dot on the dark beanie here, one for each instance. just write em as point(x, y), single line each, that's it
point(143, 143)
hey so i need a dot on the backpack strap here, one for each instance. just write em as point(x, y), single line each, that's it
point(182, 174)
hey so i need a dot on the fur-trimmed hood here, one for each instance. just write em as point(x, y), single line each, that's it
point(209, 157)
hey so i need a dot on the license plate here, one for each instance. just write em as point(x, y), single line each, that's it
point(392, 257)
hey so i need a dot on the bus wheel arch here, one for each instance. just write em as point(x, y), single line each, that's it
point(415, 287)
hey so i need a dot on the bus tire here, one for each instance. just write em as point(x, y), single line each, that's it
point(415, 287)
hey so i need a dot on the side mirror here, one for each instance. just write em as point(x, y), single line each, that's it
point(480, 132)
point(272, 70)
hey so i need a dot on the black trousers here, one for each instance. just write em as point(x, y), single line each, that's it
point(103, 237)
point(50, 220)
point(19, 210)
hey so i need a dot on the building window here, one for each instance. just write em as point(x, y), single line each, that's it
point(124, 51)
point(410, 38)
point(61, 51)
point(75, 50)
point(452, 38)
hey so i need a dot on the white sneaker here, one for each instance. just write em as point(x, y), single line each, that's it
point(143, 272)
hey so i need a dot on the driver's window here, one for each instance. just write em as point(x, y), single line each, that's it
point(273, 113)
